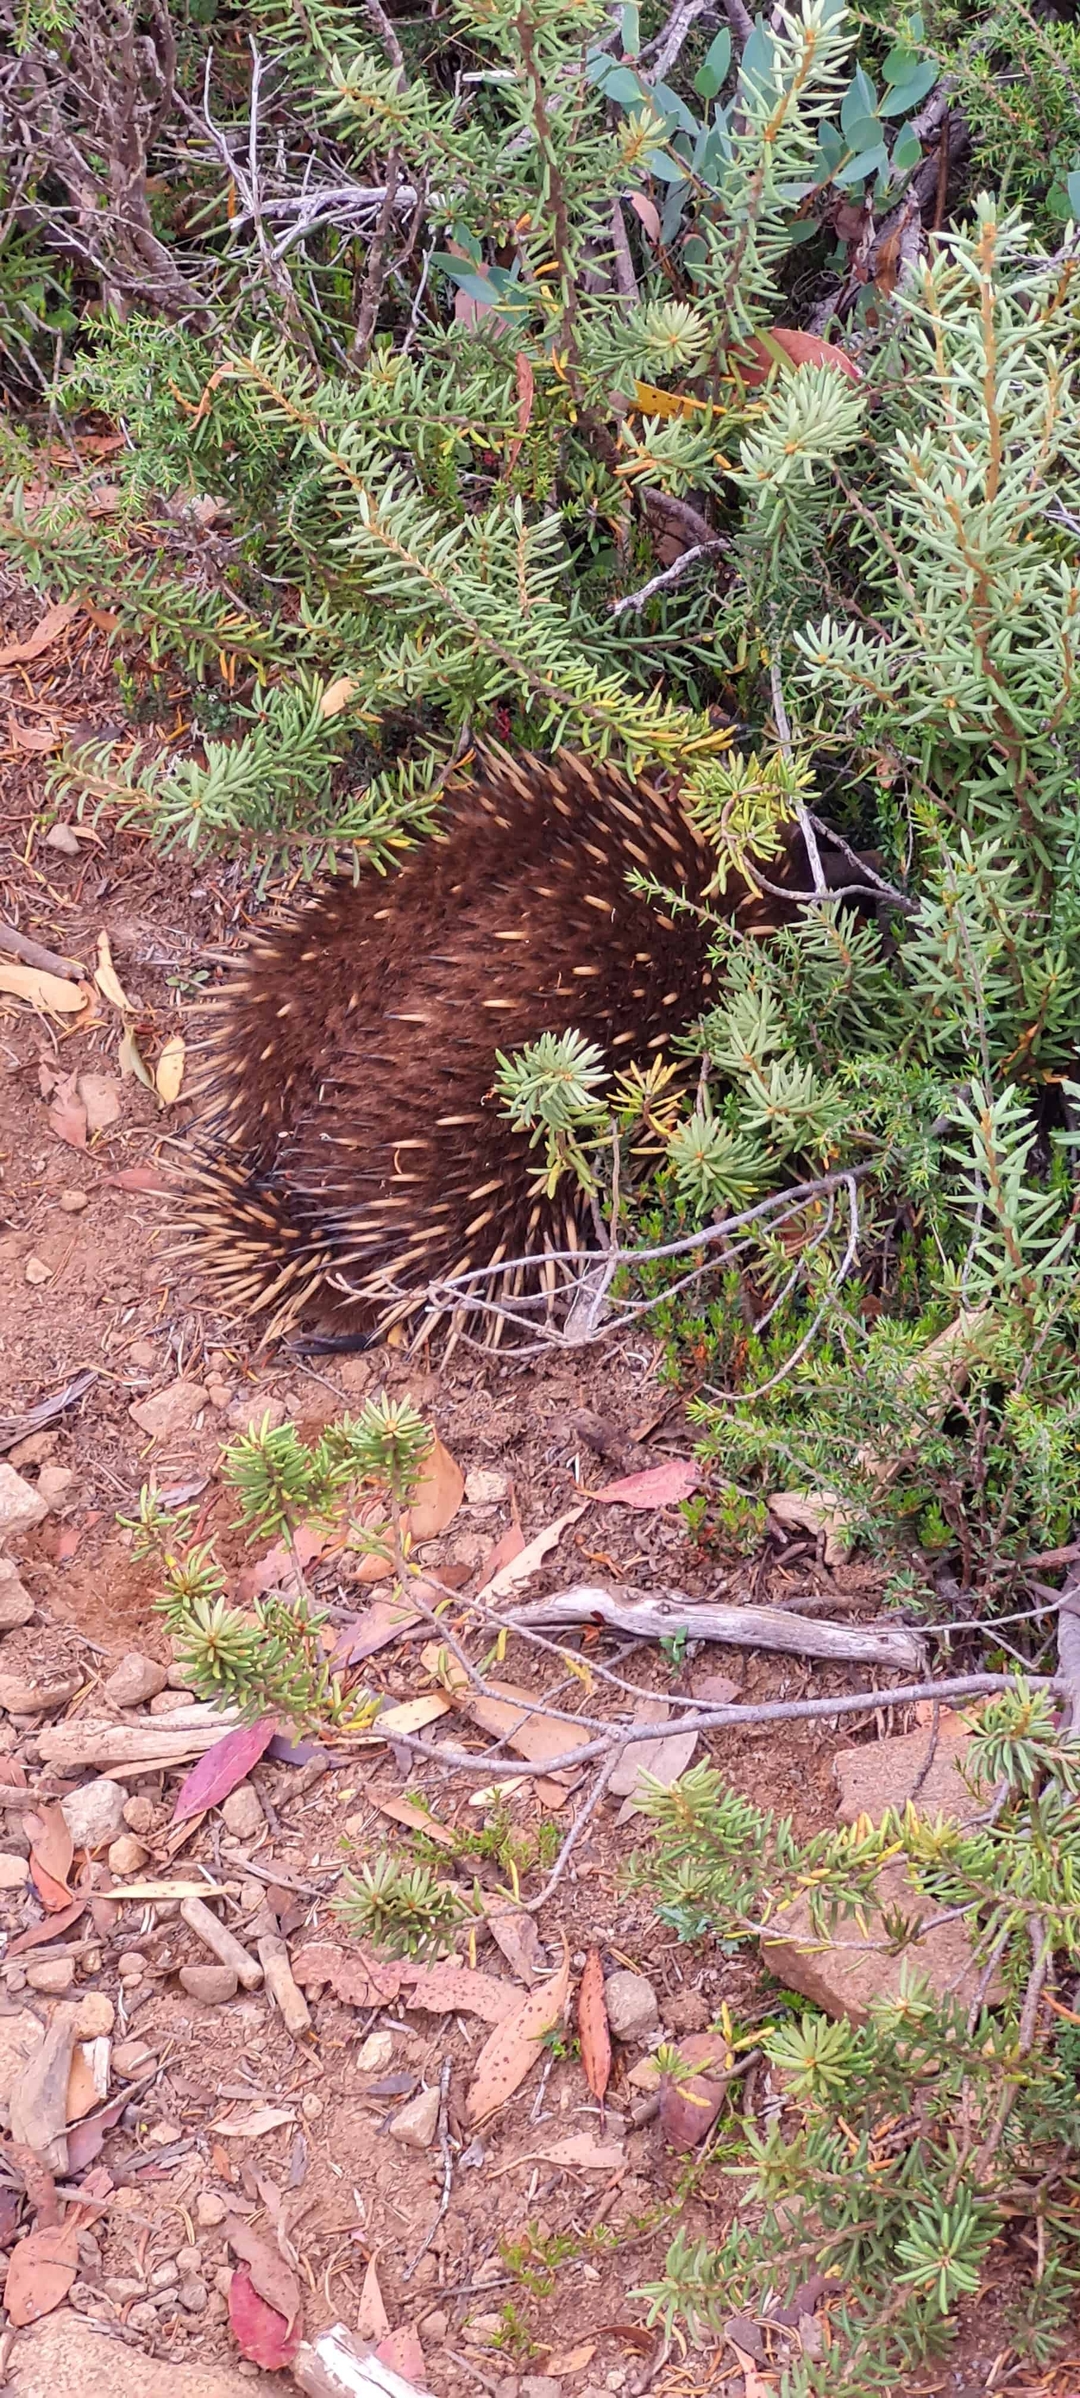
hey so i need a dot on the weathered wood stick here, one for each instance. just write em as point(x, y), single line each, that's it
point(659, 1615)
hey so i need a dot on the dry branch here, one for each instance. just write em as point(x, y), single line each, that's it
point(659, 1615)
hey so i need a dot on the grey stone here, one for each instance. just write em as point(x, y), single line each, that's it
point(94, 1815)
point(192, 2294)
point(210, 1985)
point(414, 2125)
point(632, 2010)
point(135, 1680)
point(243, 1816)
point(16, 1604)
point(169, 1411)
point(540, 2385)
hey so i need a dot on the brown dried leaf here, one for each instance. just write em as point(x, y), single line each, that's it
point(438, 1494)
point(457, 1989)
point(67, 1115)
point(513, 2047)
point(169, 1071)
point(51, 1852)
point(516, 1934)
point(49, 992)
point(648, 212)
point(589, 2154)
point(512, 1715)
point(107, 979)
point(353, 1974)
point(32, 739)
point(401, 2353)
point(593, 2026)
point(407, 1812)
point(33, 645)
point(40, 2273)
point(518, 1569)
point(372, 2320)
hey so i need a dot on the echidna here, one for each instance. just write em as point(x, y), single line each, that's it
point(359, 1154)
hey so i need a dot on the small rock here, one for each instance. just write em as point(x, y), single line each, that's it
point(21, 2036)
point(376, 2053)
point(20, 1506)
point(135, 1680)
point(540, 2385)
point(165, 2275)
point(143, 2315)
point(95, 2016)
point(14, 1871)
point(166, 1702)
point(482, 2330)
point(220, 1394)
point(434, 2328)
point(16, 1604)
point(312, 2108)
point(645, 2075)
point(36, 1270)
point(170, 1410)
point(34, 1450)
point(127, 1855)
point(139, 1814)
point(100, 1095)
point(54, 1483)
point(484, 1487)
point(131, 1965)
point(210, 2210)
point(131, 2058)
point(414, 2125)
point(885, 1773)
point(94, 1815)
point(252, 1895)
point(120, 2287)
point(223, 2280)
point(61, 837)
point(242, 1813)
point(72, 1202)
point(178, 1675)
point(143, 1355)
point(53, 1974)
point(35, 1698)
point(211, 1985)
point(632, 2010)
point(188, 2259)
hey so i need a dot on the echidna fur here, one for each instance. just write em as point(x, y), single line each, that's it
point(353, 1153)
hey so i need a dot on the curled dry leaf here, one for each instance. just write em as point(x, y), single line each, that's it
point(130, 1058)
point(169, 1071)
point(438, 1495)
point(799, 349)
point(415, 1818)
point(51, 1852)
point(593, 2028)
point(513, 2047)
point(337, 696)
point(354, 1975)
point(32, 739)
point(648, 213)
point(108, 980)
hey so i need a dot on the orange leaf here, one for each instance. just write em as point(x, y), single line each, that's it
point(513, 2047)
point(593, 2026)
point(526, 387)
point(41, 2272)
point(756, 363)
point(19, 653)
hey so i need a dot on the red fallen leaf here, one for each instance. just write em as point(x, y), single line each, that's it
point(224, 1766)
point(142, 1178)
point(261, 2334)
point(51, 1852)
point(86, 2140)
point(70, 1535)
point(508, 1546)
point(659, 1485)
point(756, 362)
point(271, 2278)
point(385, 1620)
point(49, 1930)
point(401, 2353)
point(40, 2273)
point(593, 2026)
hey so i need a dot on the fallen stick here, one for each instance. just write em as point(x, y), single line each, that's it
point(651, 1615)
point(166, 1740)
point(221, 1943)
point(30, 953)
point(339, 2365)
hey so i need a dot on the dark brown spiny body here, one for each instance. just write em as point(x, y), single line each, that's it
point(360, 1153)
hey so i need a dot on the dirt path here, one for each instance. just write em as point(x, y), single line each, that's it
point(527, 2279)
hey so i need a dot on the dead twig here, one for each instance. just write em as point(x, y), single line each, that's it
point(447, 2164)
point(19, 945)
